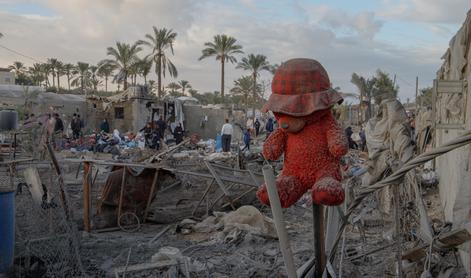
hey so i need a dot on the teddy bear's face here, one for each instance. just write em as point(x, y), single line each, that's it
point(292, 124)
point(289, 123)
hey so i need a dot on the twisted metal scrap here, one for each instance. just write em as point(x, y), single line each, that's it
point(396, 177)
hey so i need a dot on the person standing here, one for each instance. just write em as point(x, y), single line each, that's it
point(59, 126)
point(351, 143)
point(269, 126)
point(105, 126)
point(226, 132)
point(178, 133)
point(162, 125)
point(257, 127)
point(246, 140)
point(75, 126)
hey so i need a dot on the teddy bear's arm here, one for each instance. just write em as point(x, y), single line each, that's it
point(336, 139)
point(275, 144)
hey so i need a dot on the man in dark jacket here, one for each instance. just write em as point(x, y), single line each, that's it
point(269, 127)
point(59, 126)
point(257, 127)
point(161, 126)
point(75, 125)
point(178, 133)
point(105, 126)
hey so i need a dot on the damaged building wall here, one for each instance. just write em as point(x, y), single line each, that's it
point(454, 168)
point(195, 115)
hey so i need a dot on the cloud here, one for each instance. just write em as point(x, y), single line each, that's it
point(364, 23)
point(431, 11)
point(80, 30)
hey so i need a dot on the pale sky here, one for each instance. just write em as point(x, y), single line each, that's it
point(402, 37)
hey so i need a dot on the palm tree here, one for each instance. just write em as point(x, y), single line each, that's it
point(144, 68)
point(124, 56)
point(106, 69)
point(36, 73)
point(160, 41)
point(184, 85)
point(173, 87)
point(193, 92)
point(255, 64)
point(46, 69)
point(69, 72)
point(243, 86)
point(60, 72)
point(224, 48)
point(83, 76)
point(365, 88)
point(17, 67)
point(151, 86)
point(53, 63)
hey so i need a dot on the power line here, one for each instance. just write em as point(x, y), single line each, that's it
point(21, 54)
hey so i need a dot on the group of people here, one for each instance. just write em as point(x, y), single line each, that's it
point(252, 128)
point(154, 132)
point(352, 144)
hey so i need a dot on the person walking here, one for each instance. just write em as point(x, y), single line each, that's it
point(226, 132)
point(105, 126)
point(246, 140)
point(178, 133)
point(257, 127)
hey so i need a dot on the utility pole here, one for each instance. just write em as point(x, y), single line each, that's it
point(416, 92)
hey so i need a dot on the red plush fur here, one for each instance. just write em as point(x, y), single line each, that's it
point(312, 157)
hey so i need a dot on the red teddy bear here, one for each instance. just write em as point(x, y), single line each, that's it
point(309, 136)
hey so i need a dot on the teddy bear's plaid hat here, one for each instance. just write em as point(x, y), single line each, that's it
point(300, 87)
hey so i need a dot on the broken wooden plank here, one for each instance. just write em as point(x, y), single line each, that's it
point(87, 169)
point(448, 240)
point(33, 180)
point(151, 194)
point(202, 197)
point(217, 178)
point(144, 266)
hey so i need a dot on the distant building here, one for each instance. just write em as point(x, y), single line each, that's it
point(7, 77)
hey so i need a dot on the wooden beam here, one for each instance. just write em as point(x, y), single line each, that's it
point(86, 195)
point(447, 240)
point(121, 195)
point(151, 194)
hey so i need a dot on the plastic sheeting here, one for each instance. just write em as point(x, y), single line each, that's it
point(389, 139)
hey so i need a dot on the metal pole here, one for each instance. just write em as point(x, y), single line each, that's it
point(319, 239)
point(279, 222)
point(397, 220)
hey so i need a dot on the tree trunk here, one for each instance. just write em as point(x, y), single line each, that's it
point(145, 80)
point(159, 76)
point(254, 93)
point(68, 81)
point(106, 83)
point(53, 79)
point(125, 85)
point(81, 84)
point(222, 78)
point(58, 82)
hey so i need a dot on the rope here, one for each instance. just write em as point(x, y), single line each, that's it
point(397, 176)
